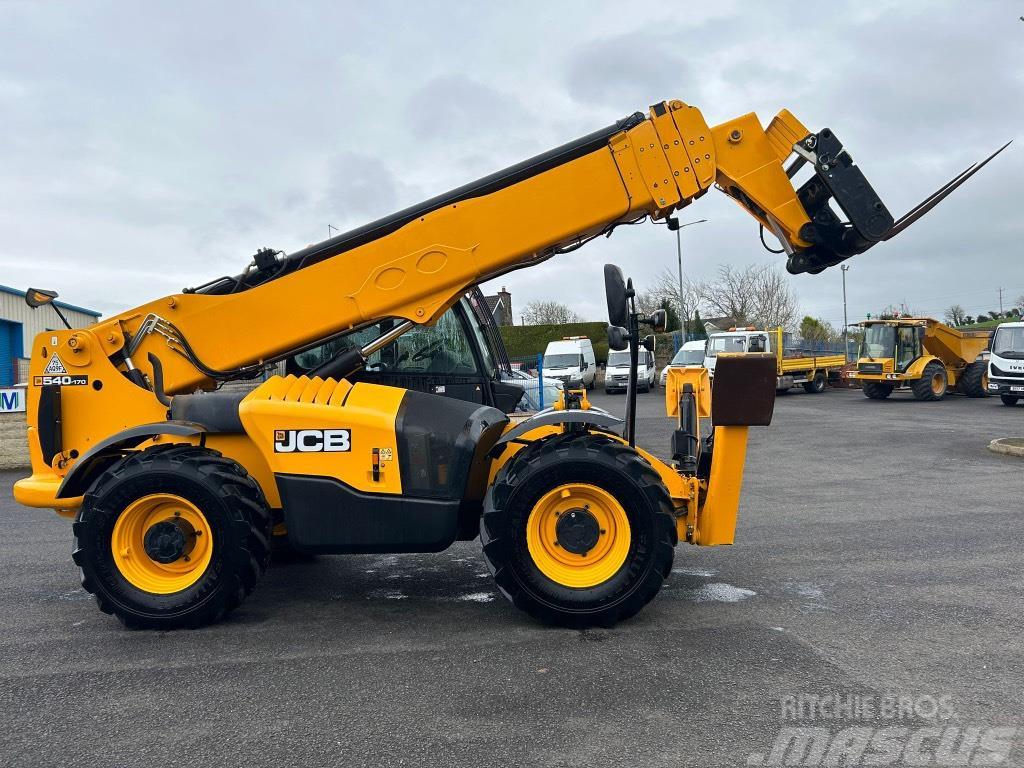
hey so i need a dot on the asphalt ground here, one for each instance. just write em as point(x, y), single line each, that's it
point(878, 553)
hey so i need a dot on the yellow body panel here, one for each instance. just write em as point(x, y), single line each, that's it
point(716, 523)
point(677, 379)
point(368, 411)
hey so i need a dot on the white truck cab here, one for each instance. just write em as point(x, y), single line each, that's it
point(572, 361)
point(616, 372)
point(1006, 363)
point(736, 340)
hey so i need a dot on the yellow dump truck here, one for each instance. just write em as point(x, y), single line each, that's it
point(791, 369)
point(922, 355)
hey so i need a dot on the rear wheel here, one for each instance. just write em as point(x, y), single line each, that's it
point(578, 531)
point(174, 536)
point(877, 390)
point(932, 384)
point(1009, 399)
point(974, 380)
point(817, 384)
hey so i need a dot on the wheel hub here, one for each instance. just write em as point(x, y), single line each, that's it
point(169, 540)
point(577, 530)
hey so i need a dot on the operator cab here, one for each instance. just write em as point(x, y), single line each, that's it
point(461, 356)
point(883, 342)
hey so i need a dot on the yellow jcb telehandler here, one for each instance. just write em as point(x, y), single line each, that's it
point(390, 434)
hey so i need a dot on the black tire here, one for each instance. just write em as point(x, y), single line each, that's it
point(781, 391)
point(924, 388)
point(233, 506)
point(877, 390)
point(817, 384)
point(601, 461)
point(1009, 400)
point(974, 380)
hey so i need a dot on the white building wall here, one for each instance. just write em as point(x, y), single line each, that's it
point(35, 321)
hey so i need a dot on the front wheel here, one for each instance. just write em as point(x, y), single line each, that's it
point(578, 531)
point(1009, 400)
point(876, 390)
point(932, 384)
point(173, 536)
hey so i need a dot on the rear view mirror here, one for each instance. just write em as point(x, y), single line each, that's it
point(615, 294)
point(37, 297)
point(658, 320)
point(618, 338)
point(648, 343)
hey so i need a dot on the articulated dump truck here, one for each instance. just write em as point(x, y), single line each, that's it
point(922, 355)
point(175, 489)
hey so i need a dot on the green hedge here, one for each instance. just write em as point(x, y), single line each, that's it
point(526, 340)
point(529, 340)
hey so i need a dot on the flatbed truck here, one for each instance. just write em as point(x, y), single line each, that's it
point(791, 369)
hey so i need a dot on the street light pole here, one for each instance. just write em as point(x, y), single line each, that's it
point(844, 268)
point(673, 223)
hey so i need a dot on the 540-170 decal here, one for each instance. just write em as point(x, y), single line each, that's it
point(312, 440)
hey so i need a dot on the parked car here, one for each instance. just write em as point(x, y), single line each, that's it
point(616, 373)
point(691, 353)
point(572, 361)
point(531, 386)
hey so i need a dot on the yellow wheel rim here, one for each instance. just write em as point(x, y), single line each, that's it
point(176, 529)
point(938, 383)
point(591, 515)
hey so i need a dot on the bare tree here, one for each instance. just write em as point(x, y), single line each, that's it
point(955, 315)
point(548, 313)
point(755, 295)
point(666, 286)
point(1019, 303)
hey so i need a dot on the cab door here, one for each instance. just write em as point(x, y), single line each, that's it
point(908, 346)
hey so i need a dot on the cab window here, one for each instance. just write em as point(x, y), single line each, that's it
point(439, 349)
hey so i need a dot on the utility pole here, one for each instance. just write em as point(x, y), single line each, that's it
point(673, 224)
point(1000, 300)
point(844, 268)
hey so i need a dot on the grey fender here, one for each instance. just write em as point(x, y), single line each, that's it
point(94, 461)
point(549, 416)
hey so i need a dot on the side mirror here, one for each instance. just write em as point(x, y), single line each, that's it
point(615, 295)
point(37, 297)
point(618, 338)
point(648, 343)
point(658, 320)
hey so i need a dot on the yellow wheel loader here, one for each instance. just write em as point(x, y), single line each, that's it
point(922, 355)
point(391, 431)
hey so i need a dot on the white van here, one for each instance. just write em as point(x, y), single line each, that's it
point(691, 353)
point(1006, 363)
point(572, 361)
point(616, 373)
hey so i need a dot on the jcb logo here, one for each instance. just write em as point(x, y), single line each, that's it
point(312, 440)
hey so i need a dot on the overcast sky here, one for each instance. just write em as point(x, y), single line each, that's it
point(147, 147)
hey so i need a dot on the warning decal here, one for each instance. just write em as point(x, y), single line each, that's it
point(55, 366)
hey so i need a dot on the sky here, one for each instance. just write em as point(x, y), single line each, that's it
point(152, 146)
